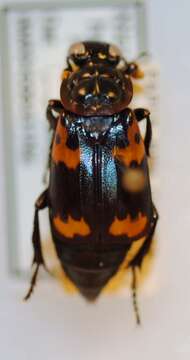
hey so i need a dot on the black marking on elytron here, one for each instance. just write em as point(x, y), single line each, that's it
point(72, 141)
point(64, 202)
point(137, 138)
point(122, 142)
point(57, 139)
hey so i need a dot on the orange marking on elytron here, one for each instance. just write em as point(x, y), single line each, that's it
point(71, 227)
point(61, 152)
point(128, 226)
point(133, 151)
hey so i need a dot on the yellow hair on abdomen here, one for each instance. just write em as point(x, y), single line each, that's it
point(119, 279)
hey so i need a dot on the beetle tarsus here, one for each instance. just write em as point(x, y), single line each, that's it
point(134, 295)
point(137, 261)
point(33, 283)
point(38, 260)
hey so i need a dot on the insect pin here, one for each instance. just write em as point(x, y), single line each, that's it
point(101, 212)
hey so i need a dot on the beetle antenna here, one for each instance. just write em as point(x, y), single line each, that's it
point(134, 295)
point(33, 283)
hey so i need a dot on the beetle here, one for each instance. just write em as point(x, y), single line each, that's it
point(99, 198)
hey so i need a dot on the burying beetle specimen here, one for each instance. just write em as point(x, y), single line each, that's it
point(99, 198)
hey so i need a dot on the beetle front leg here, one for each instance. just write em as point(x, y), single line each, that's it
point(41, 203)
point(54, 110)
point(140, 115)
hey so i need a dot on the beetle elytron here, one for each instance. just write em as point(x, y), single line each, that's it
point(99, 198)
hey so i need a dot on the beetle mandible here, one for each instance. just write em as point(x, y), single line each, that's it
point(99, 197)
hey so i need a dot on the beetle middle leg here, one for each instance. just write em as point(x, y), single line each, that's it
point(38, 260)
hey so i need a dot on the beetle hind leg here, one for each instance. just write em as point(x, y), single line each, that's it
point(32, 283)
point(134, 295)
point(38, 260)
point(137, 261)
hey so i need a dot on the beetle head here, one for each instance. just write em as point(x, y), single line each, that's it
point(97, 80)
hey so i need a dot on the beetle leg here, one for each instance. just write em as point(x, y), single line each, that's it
point(54, 110)
point(134, 295)
point(142, 114)
point(48, 162)
point(38, 260)
point(137, 261)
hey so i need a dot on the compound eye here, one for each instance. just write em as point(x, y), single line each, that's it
point(114, 51)
point(77, 49)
